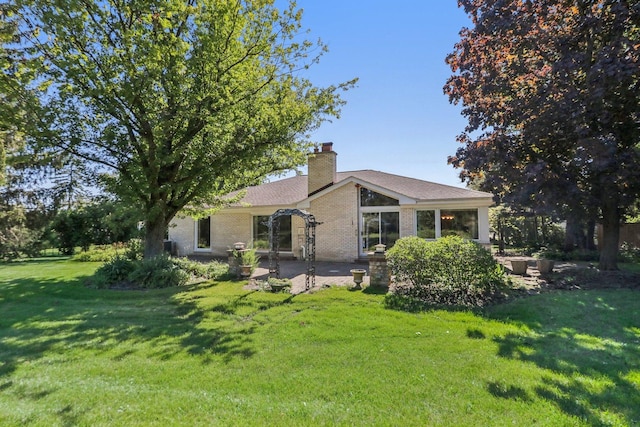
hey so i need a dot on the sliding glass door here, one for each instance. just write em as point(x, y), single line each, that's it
point(379, 227)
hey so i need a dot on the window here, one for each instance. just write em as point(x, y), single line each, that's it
point(463, 223)
point(203, 233)
point(261, 232)
point(379, 227)
point(426, 224)
point(371, 198)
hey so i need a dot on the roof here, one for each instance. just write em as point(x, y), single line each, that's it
point(290, 191)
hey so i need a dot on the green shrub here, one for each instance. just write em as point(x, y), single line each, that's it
point(629, 253)
point(114, 272)
point(562, 255)
point(246, 257)
point(17, 239)
point(279, 285)
point(409, 260)
point(158, 272)
point(450, 271)
point(104, 253)
point(134, 249)
point(210, 270)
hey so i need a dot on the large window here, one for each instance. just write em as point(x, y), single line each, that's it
point(261, 232)
point(203, 233)
point(380, 220)
point(463, 223)
point(426, 224)
point(371, 198)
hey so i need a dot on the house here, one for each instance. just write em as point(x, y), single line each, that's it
point(357, 210)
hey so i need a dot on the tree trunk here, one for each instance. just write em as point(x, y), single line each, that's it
point(570, 241)
point(591, 231)
point(500, 236)
point(154, 238)
point(610, 235)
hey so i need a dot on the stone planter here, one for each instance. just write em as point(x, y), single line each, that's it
point(245, 270)
point(519, 267)
point(544, 265)
point(358, 277)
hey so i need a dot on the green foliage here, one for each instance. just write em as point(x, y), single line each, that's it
point(450, 270)
point(114, 272)
point(134, 248)
point(98, 223)
point(561, 255)
point(159, 272)
point(184, 101)
point(513, 229)
point(16, 239)
point(261, 244)
point(103, 253)
point(629, 253)
point(100, 253)
point(278, 285)
point(210, 270)
point(409, 260)
point(552, 124)
point(249, 257)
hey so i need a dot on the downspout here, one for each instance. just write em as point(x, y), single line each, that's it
point(358, 223)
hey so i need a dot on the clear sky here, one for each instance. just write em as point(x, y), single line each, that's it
point(397, 119)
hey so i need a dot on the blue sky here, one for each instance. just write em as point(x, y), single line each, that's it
point(397, 119)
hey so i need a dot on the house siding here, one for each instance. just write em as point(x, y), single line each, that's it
point(229, 228)
point(182, 232)
point(483, 226)
point(297, 234)
point(407, 222)
point(337, 236)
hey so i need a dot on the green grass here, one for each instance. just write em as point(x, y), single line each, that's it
point(214, 354)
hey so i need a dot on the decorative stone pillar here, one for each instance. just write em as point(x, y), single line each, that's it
point(379, 274)
point(234, 258)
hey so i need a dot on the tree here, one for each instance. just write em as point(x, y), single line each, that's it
point(551, 92)
point(185, 101)
point(8, 32)
point(103, 221)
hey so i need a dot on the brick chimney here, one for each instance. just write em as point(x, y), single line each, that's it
point(322, 168)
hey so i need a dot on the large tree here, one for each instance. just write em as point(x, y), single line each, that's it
point(184, 101)
point(551, 90)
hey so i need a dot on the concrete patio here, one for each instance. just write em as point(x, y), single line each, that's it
point(327, 273)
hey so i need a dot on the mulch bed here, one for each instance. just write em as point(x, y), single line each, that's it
point(589, 278)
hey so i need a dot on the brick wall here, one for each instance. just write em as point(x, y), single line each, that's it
point(229, 228)
point(182, 232)
point(337, 236)
point(322, 170)
point(226, 229)
point(407, 222)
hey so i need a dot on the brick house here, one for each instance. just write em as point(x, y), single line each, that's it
point(357, 210)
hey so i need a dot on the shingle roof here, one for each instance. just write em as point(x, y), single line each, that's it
point(290, 191)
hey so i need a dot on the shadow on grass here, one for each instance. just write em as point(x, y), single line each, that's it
point(588, 341)
point(43, 317)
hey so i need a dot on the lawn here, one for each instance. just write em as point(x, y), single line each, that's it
point(215, 354)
